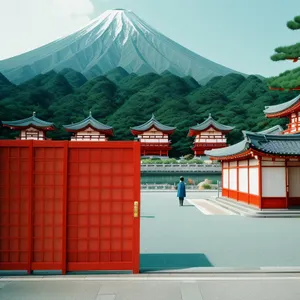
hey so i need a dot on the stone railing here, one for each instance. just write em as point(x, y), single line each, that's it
point(183, 168)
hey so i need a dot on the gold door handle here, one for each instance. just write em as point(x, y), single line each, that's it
point(136, 209)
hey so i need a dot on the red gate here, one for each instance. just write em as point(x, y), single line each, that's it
point(70, 206)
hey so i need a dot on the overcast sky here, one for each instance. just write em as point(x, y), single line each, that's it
point(239, 34)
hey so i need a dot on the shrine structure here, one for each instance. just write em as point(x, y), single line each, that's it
point(89, 130)
point(210, 134)
point(291, 110)
point(264, 169)
point(31, 128)
point(154, 137)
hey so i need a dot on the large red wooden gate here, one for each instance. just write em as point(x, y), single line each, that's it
point(70, 206)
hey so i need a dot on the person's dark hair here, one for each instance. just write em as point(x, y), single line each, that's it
point(181, 178)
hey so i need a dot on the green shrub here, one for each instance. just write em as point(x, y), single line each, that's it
point(206, 186)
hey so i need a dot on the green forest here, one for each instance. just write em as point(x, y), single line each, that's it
point(124, 100)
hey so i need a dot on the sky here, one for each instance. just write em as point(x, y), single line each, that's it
point(239, 34)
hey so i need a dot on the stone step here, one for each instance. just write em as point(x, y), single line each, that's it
point(248, 211)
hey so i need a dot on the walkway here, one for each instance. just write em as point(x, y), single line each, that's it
point(197, 287)
point(174, 237)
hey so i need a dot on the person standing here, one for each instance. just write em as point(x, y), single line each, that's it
point(181, 191)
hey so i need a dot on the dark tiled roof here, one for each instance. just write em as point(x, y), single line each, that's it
point(281, 107)
point(285, 144)
point(228, 151)
point(89, 121)
point(210, 121)
point(152, 123)
point(31, 121)
point(277, 129)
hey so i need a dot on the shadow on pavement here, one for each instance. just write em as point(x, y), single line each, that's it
point(172, 261)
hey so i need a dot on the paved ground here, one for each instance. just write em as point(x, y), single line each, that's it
point(174, 237)
point(213, 287)
point(209, 208)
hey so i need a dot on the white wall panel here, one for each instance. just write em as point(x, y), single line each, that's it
point(225, 178)
point(243, 163)
point(233, 179)
point(233, 163)
point(243, 180)
point(294, 182)
point(253, 162)
point(253, 181)
point(273, 163)
point(273, 182)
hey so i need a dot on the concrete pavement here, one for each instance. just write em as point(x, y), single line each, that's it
point(153, 287)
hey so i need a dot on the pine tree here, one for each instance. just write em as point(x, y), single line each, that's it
point(289, 52)
point(290, 79)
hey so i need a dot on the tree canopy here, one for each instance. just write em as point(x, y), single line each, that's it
point(125, 100)
point(289, 79)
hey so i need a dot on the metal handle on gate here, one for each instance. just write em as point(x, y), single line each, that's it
point(136, 209)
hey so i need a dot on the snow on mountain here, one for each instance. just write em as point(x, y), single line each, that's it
point(116, 38)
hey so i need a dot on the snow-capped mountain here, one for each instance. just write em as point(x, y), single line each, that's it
point(116, 38)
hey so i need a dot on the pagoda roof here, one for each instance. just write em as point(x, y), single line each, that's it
point(150, 124)
point(209, 122)
point(90, 121)
point(32, 121)
point(274, 145)
point(282, 109)
point(277, 129)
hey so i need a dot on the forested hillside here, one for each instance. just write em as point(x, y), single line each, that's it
point(123, 100)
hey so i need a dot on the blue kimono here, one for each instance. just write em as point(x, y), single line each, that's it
point(181, 190)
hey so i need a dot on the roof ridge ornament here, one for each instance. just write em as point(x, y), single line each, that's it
point(209, 115)
point(90, 113)
point(33, 114)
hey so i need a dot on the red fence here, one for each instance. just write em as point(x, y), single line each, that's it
point(69, 205)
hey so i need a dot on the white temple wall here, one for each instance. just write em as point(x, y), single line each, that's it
point(243, 180)
point(273, 182)
point(32, 134)
point(225, 178)
point(253, 180)
point(294, 181)
point(233, 179)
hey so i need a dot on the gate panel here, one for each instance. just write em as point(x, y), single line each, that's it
point(14, 205)
point(47, 208)
point(101, 193)
point(69, 206)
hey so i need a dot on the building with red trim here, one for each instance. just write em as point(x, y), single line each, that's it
point(290, 109)
point(31, 128)
point(154, 137)
point(262, 170)
point(90, 130)
point(210, 134)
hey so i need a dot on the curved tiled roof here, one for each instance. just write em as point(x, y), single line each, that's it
point(152, 123)
point(277, 129)
point(211, 122)
point(89, 121)
point(288, 144)
point(281, 107)
point(31, 121)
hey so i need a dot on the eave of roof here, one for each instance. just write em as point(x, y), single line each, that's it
point(277, 145)
point(208, 123)
point(282, 109)
point(89, 122)
point(32, 121)
point(152, 123)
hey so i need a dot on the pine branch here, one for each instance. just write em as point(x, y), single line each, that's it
point(295, 24)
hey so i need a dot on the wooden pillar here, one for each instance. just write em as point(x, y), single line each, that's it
point(287, 185)
point(64, 208)
point(30, 205)
point(260, 183)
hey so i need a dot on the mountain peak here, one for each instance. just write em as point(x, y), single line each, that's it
point(117, 38)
